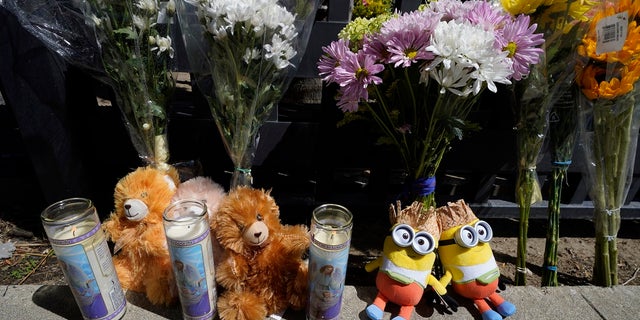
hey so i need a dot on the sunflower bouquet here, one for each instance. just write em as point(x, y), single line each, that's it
point(607, 74)
point(562, 22)
point(418, 75)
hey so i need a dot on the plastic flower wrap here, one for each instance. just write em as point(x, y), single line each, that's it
point(243, 54)
point(607, 73)
point(127, 45)
point(136, 51)
point(419, 74)
point(562, 22)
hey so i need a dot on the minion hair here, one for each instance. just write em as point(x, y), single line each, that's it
point(415, 216)
point(454, 214)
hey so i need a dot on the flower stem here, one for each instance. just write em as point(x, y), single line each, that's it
point(528, 179)
point(614, 143)
point(549, 270)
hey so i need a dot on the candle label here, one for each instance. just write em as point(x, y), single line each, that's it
point(86, 263)
point(327, 272)
point(195, 275)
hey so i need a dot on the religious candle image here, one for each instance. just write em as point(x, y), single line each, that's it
point(328, 257)
point(191, 251)
point(82, 281)
point(75, 234)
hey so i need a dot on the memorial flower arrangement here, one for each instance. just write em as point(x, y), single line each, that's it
point(243, 54)
point(608, 71)
point(124, 44)
point(137, 52)
point(419, 74)
point(562, 22)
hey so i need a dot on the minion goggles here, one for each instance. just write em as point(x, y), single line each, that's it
point(469, 236)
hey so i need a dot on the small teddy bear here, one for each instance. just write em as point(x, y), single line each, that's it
point(263, 271)
point(141, 255)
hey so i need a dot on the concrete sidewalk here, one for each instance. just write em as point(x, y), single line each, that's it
point(585, 302)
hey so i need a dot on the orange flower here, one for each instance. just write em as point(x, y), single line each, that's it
point(630, 49)
point(610, 74)
point(618, 85)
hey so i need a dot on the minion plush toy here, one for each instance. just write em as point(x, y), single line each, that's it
point(468, 261)
point(406, 263)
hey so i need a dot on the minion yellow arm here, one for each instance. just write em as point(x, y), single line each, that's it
point(437, 286)
point(446, 278)
point(373, 265)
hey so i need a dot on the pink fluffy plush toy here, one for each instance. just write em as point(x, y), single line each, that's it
point(211, 193)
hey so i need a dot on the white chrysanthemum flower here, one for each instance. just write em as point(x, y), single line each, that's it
point(289, 32)
point(238, 11)
point(493, 69)
point(147, 5)
point(455, 79)
point(140, 22)
point(279, 52)
point(163, 45)
point(464, 45)
point(251, 54)
point(152, 40)
point(256, 18)
point(171, 8)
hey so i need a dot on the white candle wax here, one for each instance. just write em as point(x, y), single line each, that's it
point(74, 231)
point(184, 232)
point(330, 238)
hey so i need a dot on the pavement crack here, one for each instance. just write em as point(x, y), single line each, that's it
point(593, 306)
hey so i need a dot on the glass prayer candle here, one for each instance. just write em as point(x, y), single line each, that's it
point(74, 231)
point(189, 239)
point(330, 242)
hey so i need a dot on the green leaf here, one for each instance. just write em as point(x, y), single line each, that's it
point(128, 32)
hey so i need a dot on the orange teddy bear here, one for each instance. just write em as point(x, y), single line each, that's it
point(135, 226)
point(262, 271)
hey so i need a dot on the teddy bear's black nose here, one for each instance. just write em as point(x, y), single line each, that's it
point(257, 234)
point(127, 206)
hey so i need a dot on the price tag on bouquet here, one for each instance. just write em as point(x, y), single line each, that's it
point(612, 32)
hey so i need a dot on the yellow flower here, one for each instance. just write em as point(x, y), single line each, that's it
point(515, 7)
point(551, 14)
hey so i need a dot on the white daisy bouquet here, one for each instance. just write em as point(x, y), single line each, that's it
point(563, 23)
point(136, 50)
point(419, 74)
point(243, 54)
point(125, 44)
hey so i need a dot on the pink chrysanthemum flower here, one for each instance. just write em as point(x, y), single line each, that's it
point(487, 16)
point(519, 39)
point(404, 38)
point(356, 72)
point(376, 48)
point(330, 60)
point(407, 48)
point(449, 9)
